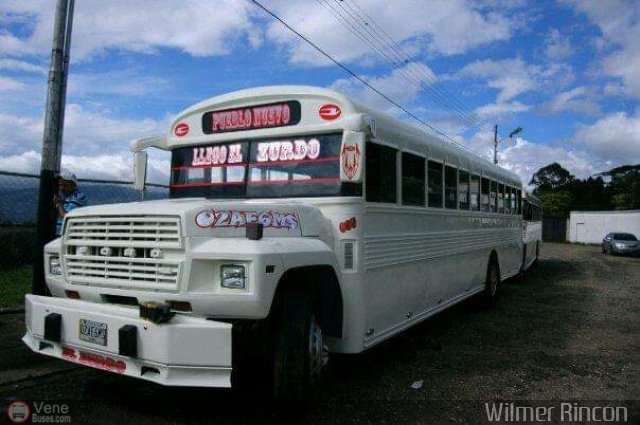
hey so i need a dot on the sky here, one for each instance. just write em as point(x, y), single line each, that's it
point(565, 71)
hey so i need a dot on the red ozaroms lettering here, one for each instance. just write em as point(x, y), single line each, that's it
point(211, 218)
point(217, 155)
point(329, 112)
point(250, 118)
point(286, 150)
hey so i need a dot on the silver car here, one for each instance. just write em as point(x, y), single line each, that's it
point(620, 243)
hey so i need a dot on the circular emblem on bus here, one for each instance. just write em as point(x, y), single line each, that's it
point(205, 218)
point(329, 112)
point(181, 129)
point(18, 412)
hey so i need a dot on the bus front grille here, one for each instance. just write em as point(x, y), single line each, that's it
point(123, 252)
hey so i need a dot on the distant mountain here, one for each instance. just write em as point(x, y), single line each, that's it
point(19, 197)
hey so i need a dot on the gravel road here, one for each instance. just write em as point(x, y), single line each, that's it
point(569, 329)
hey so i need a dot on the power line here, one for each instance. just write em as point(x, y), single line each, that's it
point(445, 97)
point(357, 77)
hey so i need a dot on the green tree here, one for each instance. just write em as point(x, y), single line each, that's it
point(556, 203)
point(551, 177)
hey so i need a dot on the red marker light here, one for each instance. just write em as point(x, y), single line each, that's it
point(181, 129)
point(329, 112)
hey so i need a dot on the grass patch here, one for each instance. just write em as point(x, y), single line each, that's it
point(14, 284)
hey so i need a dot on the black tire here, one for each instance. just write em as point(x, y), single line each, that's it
point(492, 283)
point(299, 352)
point(604, 250)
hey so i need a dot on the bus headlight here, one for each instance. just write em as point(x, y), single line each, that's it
point(232, 276)
point(55, 268)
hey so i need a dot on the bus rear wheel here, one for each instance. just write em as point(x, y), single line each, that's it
point(492, 283)
point(299, 350)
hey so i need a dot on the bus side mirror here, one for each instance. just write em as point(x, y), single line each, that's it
point(352, 156)
point(139, 170)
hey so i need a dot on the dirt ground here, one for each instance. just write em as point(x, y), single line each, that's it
point(568, 330)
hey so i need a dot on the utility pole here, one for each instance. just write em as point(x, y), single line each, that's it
point(52, 138)
point(495, 144)
point(496, 141)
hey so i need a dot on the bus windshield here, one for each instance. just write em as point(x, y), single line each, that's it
point(303, 166)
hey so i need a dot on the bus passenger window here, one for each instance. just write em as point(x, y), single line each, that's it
point(413, 180)
point(485, 195)
point(450, 187)
point(475, 192)
point(463, 189)
point(381, 173)
point(519, 201)
point(507, 200)
point(435, 184)
point(501, 198)
point(494, 196)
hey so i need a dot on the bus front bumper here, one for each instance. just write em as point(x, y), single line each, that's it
point(186, 351)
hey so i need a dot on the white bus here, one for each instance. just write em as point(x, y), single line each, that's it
point(532, 229)
point(299, 223)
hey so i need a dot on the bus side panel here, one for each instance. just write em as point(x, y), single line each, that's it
point(417, 260)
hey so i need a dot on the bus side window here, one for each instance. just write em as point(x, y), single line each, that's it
point(494, 196)
point(463, 189)
point(413, 180)
point(475, 192)
point(507, 200)
point(519, 201)
point(485, 195)
point(501, 198)
point(381, 173)
point(435, 184)
point(450, 187)
point(526, 210)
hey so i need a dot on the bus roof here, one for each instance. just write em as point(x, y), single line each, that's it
point(353, 116)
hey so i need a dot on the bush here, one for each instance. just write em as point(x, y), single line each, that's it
point(17, 245)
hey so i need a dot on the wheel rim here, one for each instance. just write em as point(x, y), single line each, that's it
point(493, 281)
point(318, 352)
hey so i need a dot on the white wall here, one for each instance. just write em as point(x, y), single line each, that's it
point(592, 226)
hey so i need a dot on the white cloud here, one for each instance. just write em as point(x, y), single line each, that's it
point(444, 27)
point(9, 84)
point(403, 85)
point(19, 132)
point(213, 28)
point(525, 158)
point(557, 46)
point(86, 132)
point(619, 22)
point(17, 65)
point(496, 110)
point(104, 167)
point(27, 162)
point(615, 137)
point(511, 77)
point(514, 77)
point(91, 132)
point(577, 99)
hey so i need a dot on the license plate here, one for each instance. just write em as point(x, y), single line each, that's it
point(94, 332)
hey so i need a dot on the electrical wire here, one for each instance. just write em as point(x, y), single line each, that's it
point(357, 77)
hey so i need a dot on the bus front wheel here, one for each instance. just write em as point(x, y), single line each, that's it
point(299, 351)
